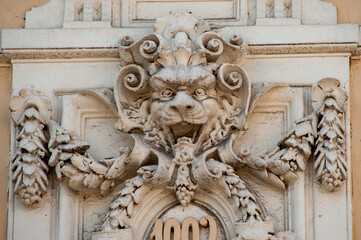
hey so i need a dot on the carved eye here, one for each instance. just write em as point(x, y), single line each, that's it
point(167, 93)
point(199, 92)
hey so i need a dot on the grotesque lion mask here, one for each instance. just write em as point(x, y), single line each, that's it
point(176, 86)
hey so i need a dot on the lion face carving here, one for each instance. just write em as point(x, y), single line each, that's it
point(184, 101)
point(176, 87)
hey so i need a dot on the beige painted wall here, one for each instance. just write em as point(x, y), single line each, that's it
point(355, 109)
point(348, 11)
point(12, 14)
point(5, 86)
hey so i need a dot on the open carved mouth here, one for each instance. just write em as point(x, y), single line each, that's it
point(185, 129)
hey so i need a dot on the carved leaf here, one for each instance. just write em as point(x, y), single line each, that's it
point(79, 162)
point(123, 206)
point(69, 170)
point(54, 158)
point(92, 181)
point(106, 186)
point(117, 167)
point(98, 168)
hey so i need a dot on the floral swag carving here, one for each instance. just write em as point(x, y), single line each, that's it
point(184, 98)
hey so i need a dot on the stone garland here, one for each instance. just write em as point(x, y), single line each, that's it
point(68, 156)
point(29, 165)
point(329, 100)
point(236, 189)
point(122, 207)
point(293, 152)
point(330, 152)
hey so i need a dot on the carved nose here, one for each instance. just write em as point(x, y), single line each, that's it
point(182, 102)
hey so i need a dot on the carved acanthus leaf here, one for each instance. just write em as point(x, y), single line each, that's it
point(105, 95)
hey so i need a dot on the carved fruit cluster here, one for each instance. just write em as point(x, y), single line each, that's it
point(183, 183)
point(330, 146)
point(29, 168)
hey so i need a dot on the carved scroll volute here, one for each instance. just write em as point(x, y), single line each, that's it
point(131, 92)
point(219, 50)
point(329, 101)
point(233, 81)
point(150, 48)
point(31, 111)
point(142, 52)
point(236, 52)
point(211, 44)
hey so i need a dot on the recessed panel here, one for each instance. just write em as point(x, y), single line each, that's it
point(223, 9)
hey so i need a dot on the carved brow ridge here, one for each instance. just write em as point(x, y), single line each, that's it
point(207, 81)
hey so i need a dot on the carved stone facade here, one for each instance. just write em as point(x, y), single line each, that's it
point(186, 130)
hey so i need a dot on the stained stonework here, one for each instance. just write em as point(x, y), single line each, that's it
point(206, 135)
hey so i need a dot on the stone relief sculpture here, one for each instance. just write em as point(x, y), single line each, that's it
point(29, 167)
point(184, 98)
point(330, 151)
